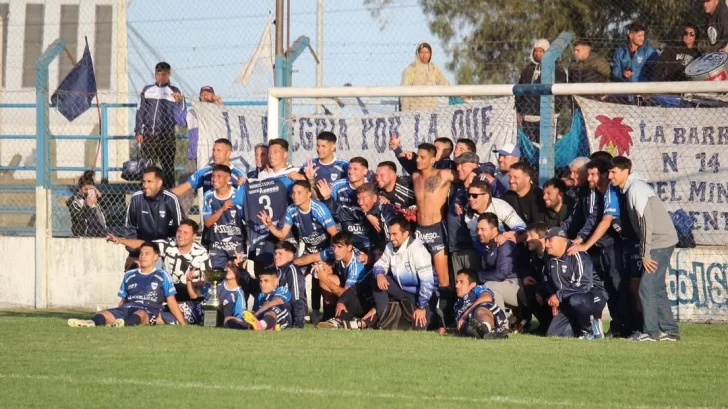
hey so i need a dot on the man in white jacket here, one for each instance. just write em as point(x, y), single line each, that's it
point(657, 241)
point(404, 273)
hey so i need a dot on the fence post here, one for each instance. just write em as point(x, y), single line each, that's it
point(548, 70)
point(104, 128)
point(43, 172)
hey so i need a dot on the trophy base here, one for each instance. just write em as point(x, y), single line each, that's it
point(210, 318)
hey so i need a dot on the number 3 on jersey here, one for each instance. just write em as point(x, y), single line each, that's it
point(265, 202)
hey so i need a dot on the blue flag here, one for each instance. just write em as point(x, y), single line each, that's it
point(73, 97)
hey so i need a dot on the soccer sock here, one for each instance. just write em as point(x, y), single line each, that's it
point(134, 319)
point(267, 322)
point(99, 320)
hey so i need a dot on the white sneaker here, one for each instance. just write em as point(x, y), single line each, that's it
point(118, 323)
point(75, 323)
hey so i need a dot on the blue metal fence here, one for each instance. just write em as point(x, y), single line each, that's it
point(43, 168)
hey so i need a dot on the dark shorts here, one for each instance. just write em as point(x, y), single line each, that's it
point(283, 315)
point(191, 310)
point(219, 258)
point(433, 237)
point(500, 322)
point(124, 312)
point(262, 251)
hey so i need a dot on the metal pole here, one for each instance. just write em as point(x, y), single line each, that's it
point(288, 27)
point(279, 27)
point(42, 173)
point(319, 47)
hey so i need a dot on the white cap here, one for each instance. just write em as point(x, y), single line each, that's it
point(508, 149)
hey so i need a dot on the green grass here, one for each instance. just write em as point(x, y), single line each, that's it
point(45, 364)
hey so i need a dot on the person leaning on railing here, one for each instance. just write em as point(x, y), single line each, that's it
point(87, 217)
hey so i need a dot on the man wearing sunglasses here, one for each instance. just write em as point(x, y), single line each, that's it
point(717, 11)
point(480, 200)
point(676, 56)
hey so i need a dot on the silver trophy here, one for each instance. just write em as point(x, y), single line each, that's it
point(211, 307)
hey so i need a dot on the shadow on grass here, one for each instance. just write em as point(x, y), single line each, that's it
point(61, 315)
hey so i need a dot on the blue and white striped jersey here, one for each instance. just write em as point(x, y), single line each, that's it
point(331, 172)
point(310, 226)
point(202, 178)
point(349, 274)
point(148, 290)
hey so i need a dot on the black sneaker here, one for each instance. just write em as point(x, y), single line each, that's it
point(669, 337)
point(638, 336)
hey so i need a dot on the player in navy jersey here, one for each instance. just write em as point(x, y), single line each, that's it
point(311, 218)
point(290, 277)
point(221, 151)
point(341, 198)
point(231, 295)
point(271, 310)
point(325, 166)
point(143, 292)
point(476, 313)
point(378, 216)
point(270, 196)
point(348, 270)
point(223, 216)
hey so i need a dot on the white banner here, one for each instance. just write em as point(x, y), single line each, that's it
point(682, 152)
point(488, 123)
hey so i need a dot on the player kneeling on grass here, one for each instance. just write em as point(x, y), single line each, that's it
point(142, 292)
point(271, 310)
point(347, 270)
point(476, 312)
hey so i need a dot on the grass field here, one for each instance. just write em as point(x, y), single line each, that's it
point(45, 364)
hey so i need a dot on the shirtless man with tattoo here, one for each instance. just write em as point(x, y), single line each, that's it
point(432, 187)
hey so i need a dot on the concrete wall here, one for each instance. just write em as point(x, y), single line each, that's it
point(85, 273)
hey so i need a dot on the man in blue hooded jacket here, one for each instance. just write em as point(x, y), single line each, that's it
point(634, 61)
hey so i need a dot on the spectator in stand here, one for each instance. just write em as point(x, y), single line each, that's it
point(508, 154)
point(558, 204)
point(587, 67)
point(525, 197)
point(528, 107)
point(634, 61)
point(421, 72)
point(161, 107)
point(657, 239)
point(717, 11)
point(87, 217)
point(261, 160)
point(675, 57)
point(207, 94)
point(577, 178)
point(154, 213)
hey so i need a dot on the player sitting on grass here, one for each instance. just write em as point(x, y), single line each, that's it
point(232, 298)
point(142, 292)
point(272, 310)
point(476, 313)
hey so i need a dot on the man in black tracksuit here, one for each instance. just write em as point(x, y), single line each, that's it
point(154, 213)
point(675, 57)
point(161, 107)
point(569, 288)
